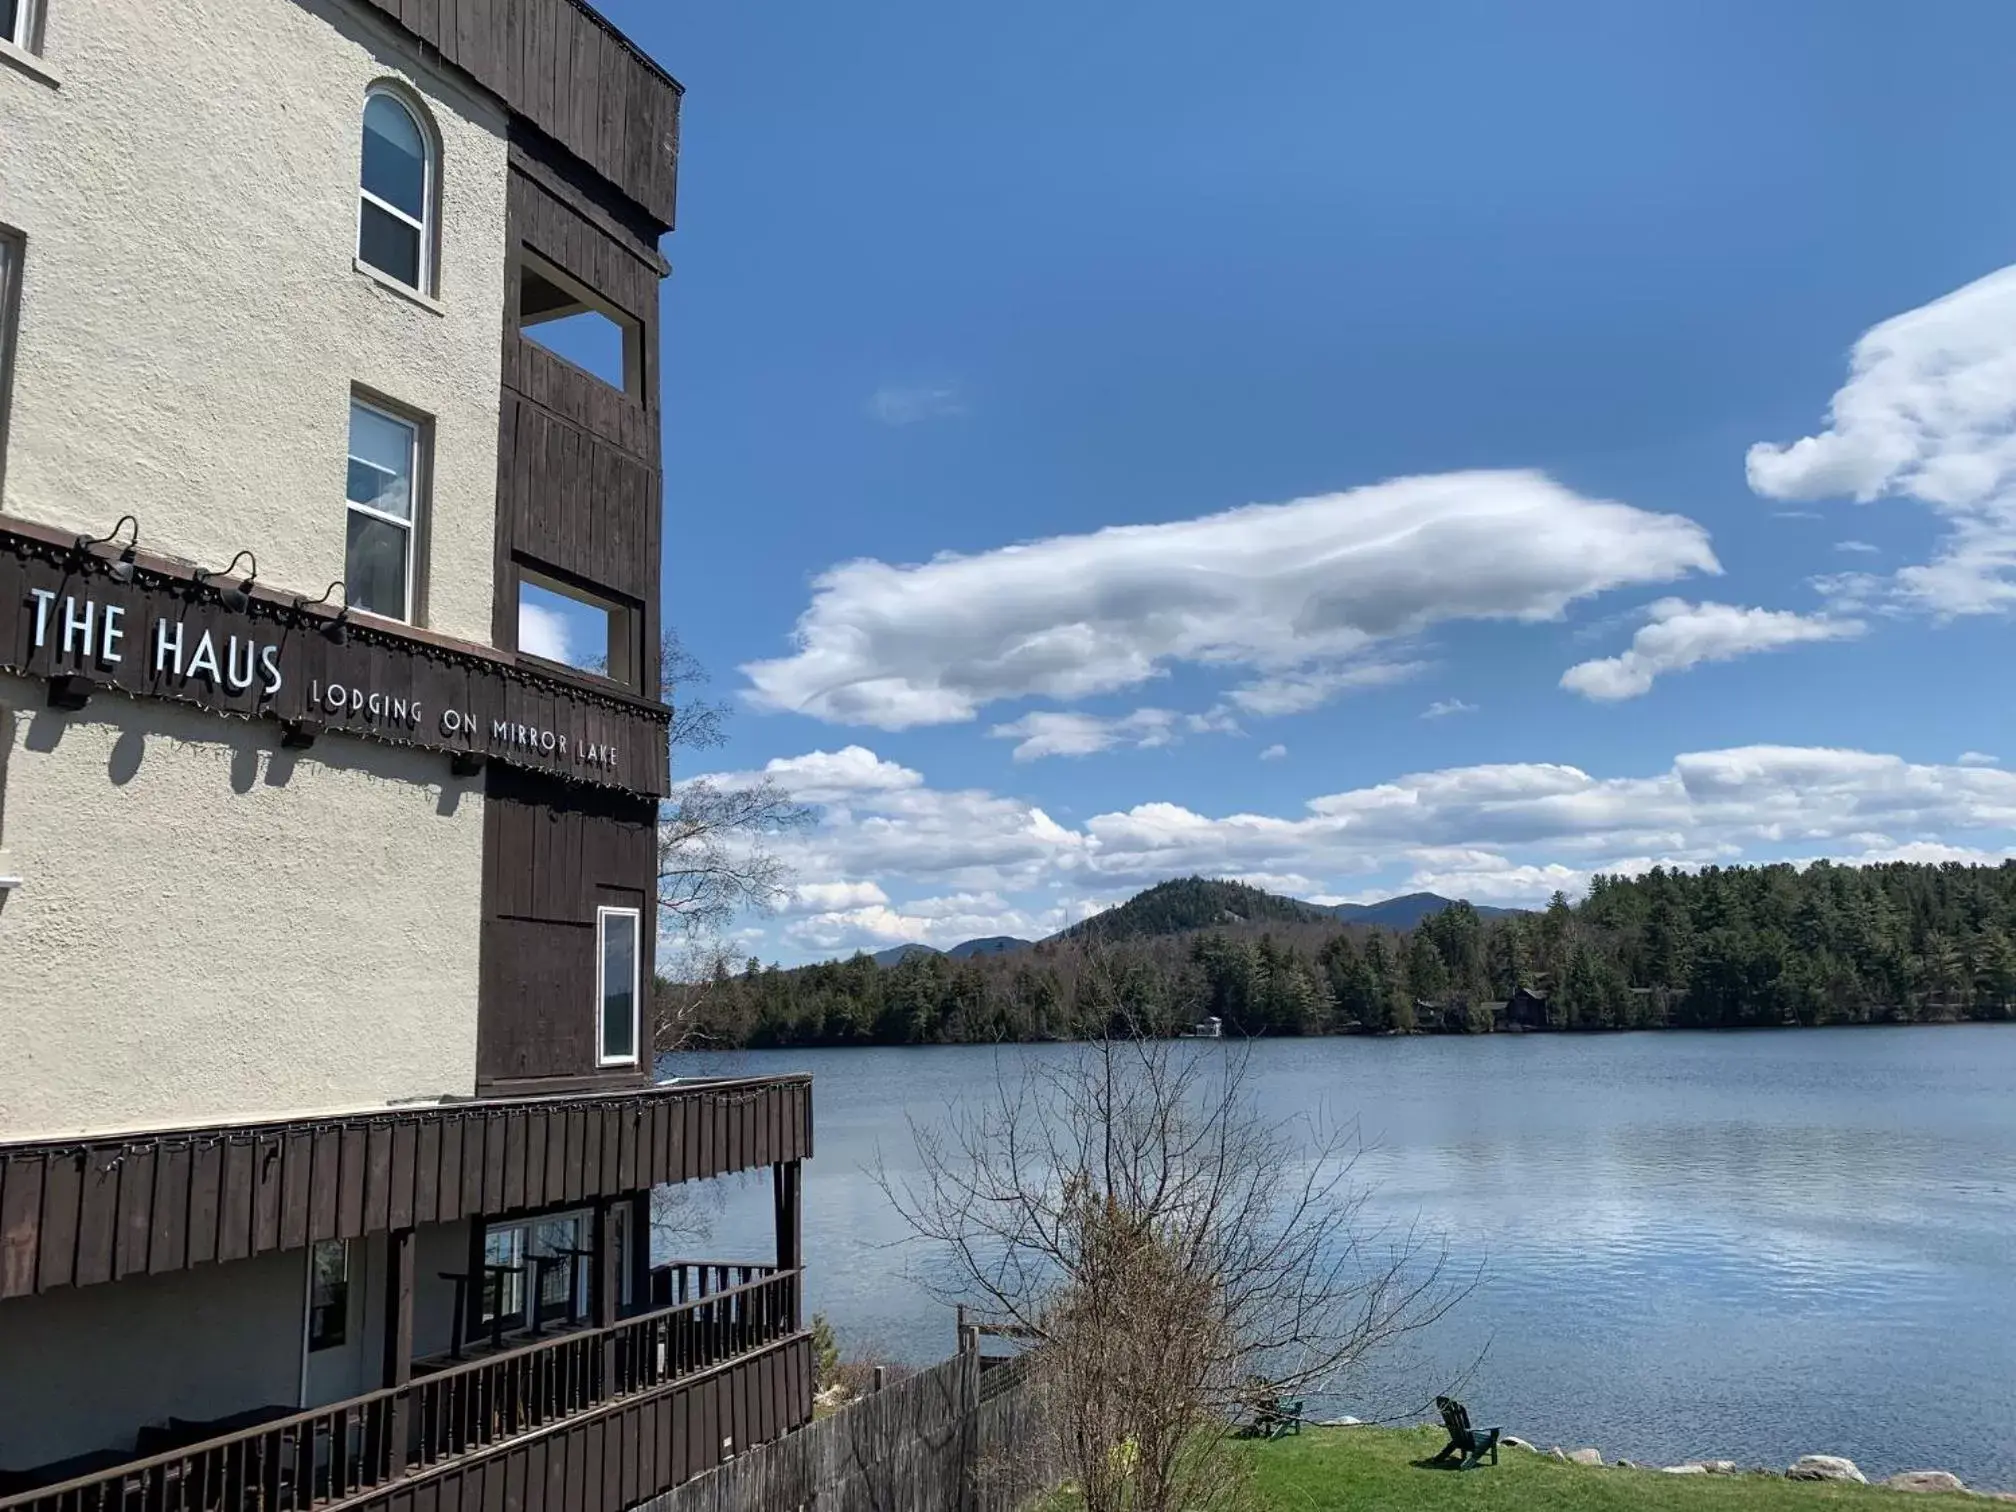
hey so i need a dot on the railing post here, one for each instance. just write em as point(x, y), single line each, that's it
point(786, 1182)
point(398, 1365)
point(602, 1285)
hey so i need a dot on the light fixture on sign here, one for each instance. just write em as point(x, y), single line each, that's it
point(121, 570)
point(237, 599)
point(70, 691)
point(336, 629)
point(299, 734)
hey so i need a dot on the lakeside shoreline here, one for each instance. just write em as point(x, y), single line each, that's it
point(1648, 1030)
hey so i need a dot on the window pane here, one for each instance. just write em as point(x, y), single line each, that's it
point(504, 1246)
point(11, 15)
point(381, 462)
point(328, 1294)
point(375, 566)
point(395, 156)
point(555, 1236)
point(389, 244)
point(619, 986)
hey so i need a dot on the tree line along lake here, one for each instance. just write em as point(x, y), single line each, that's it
point(1724, 947)
point(1744, 1245)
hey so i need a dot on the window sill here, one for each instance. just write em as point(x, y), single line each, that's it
point(392, 285)
point(28, 63)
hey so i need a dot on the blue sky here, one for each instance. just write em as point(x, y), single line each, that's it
point(1505, 297)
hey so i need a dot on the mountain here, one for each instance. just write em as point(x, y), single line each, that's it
point(988, 945)
point(1193, 903)
point(896, 955)
point(1407, 911)
point(1200, 903)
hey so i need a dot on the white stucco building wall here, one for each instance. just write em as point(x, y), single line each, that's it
point(210, 928)
point(191, 321)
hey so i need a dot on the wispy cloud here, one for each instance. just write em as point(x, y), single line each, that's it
point(1979, 759)
point(909, 403)
point(1274, 753)
point(1305, 600)
point(1442, 708)
point(1858, 546)
point(1680, 635)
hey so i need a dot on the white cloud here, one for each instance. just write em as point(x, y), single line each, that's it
point(1928, 413)
point(1311, 687)
point(1979, 759)
point(1302, 594)
point(1861, 547)
point(1057, 733)
point(897, 860)
point(834, 897)
point(1274, 753)
point(1682, 635)
point(1442, 708)
point(907, 404)
point(543, 632)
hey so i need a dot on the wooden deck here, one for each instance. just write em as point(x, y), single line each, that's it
point(577, 1421)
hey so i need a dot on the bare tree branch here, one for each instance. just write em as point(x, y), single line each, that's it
point(714, 856)
point(1169, 1244)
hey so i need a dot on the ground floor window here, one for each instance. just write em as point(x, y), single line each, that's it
point(545, 1264)
point(328, 1294)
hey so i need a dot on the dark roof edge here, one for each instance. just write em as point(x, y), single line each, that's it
point(616, 32)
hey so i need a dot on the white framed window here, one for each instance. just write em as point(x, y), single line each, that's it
point(17, 23)
point(396, 190)
point(382, 486)
point(618, 938)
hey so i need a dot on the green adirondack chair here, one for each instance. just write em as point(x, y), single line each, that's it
point(1464, 1440)
point(1274, 1416)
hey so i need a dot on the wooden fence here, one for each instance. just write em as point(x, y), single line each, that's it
point(944, 1440)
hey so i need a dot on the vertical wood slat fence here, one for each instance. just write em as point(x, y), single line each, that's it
point(947, 1439)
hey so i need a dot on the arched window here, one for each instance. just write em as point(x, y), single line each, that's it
point(395, 215)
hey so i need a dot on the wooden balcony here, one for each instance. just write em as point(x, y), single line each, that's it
point(632, 1409)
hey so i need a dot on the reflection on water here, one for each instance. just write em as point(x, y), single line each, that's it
point(1749, 1246)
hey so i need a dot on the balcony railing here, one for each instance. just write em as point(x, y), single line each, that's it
point(329, 1455)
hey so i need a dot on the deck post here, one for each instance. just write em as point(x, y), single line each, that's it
point(786, 1179)
point(398, 1364)
point(603, 1283)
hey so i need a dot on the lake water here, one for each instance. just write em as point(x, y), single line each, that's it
point(1745, 1245)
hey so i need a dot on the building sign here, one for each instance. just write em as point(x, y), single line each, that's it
point(62, 616)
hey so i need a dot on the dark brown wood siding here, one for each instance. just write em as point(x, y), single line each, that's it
point(74, 1213)
point(571, 74)
point(580, 494)
point(552, 856)
point(573, 501)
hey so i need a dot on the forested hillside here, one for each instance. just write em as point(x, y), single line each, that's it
point(1192, 903)
point(1725, 947)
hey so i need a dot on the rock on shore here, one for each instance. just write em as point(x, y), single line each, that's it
point(1827, 1467)
point(1925, 1480)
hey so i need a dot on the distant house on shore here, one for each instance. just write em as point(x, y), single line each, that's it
point(1525, 1009)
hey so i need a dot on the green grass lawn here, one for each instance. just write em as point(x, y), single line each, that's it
point(1322, 1469)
